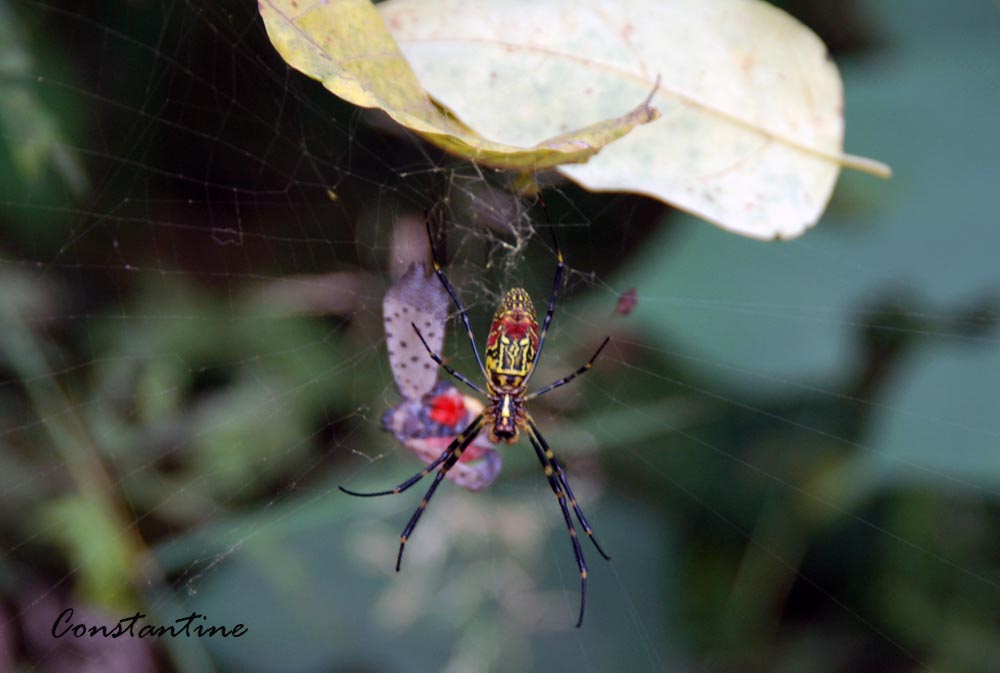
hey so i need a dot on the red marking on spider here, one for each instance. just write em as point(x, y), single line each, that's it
point(514, 325)
point(494, 334)
point(515, 329)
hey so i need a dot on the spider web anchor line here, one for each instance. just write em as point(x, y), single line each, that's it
point(437, 359)
point(454, 296)
point(563, 381)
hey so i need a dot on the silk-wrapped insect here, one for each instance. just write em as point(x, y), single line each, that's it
point(432, 412)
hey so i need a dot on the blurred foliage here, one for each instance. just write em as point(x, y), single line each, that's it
point(790, 449)
point(33, 145)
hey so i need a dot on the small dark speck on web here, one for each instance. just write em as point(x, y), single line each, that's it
point(627, 301)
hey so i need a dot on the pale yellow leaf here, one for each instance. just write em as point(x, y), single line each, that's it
point(751, 132)
point(346, 45)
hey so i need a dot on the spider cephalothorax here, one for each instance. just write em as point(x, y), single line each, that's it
point(512, 350)
point(510, 356)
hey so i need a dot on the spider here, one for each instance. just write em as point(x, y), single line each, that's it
point(513, 348)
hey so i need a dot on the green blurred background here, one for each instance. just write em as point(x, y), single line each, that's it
point(791, 450)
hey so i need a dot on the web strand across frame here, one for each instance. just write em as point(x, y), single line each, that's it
point(192, 361)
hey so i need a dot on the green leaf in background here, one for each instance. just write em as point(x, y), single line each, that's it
point(29, 129)
point(767, 319)
point(232, 400)
point(100, 551)
point(933, 436)
point(488, 584)
point(761, 316)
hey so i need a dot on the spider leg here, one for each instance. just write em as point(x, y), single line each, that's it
point(556, 486)
point(454, 296)
point(563, 381)
point(564, 480)
point(466, 438)
point(457, 446)
point(437, 359)
point(576, 508)
point(556, 285)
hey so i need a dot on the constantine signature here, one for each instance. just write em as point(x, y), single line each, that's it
point(187, 627)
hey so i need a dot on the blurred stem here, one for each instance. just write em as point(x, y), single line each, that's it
point(79, 453)
point(68, 433)
point(766, 574)
point(24, 117)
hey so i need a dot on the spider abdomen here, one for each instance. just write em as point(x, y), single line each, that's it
point(512, 343)
point(510, 355)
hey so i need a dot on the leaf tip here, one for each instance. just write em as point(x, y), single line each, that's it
point(866, 165)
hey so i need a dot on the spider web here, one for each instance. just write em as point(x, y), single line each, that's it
point(197, 246)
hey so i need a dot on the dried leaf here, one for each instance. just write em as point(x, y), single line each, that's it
point(346, 45)
point(751, 133)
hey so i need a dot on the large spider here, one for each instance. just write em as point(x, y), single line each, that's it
point(512, 351)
